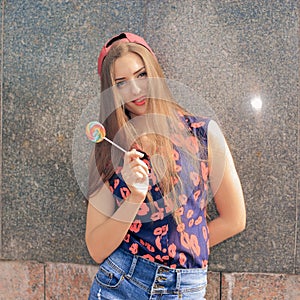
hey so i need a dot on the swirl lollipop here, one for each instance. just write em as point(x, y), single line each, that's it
point(96, 132)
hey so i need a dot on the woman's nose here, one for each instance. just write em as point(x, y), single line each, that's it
point(135, 88)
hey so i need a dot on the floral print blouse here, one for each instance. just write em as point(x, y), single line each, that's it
point(154, 234)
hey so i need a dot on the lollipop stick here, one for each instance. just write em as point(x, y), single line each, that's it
point(119, 147)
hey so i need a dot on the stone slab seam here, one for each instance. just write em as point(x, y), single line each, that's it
point(54, 280)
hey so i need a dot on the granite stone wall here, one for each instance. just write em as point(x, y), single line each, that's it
point(238, 62)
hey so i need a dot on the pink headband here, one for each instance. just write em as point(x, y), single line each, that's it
point(123, 37)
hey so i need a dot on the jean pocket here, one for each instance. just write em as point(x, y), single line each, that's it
point(109, 276)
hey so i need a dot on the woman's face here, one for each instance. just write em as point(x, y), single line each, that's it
point(131, 82)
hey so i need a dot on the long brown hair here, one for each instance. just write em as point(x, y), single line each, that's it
point(161, 121)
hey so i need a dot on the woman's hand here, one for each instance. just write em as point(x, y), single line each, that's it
point(136, 175)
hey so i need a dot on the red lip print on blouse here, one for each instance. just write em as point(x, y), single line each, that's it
point(136, 226)
point(143, 210)
point(134, 248)
point(194, 244)
point(172, 250)
point(182, 258)
point(195, 177)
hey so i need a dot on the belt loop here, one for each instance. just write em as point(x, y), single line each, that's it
point(178, 279)
point(132, 267)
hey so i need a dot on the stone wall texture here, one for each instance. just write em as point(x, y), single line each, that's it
point(230, 56)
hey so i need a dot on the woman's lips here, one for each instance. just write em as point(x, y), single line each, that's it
point(140, 101)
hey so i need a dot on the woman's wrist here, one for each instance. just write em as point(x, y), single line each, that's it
point(127, 211)
point(135, 198)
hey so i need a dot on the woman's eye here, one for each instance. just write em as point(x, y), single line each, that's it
point(120, 84)
point(143, 74)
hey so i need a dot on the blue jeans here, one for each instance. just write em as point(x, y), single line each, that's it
point(126, 276)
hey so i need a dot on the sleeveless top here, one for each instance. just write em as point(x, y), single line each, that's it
point(154, 233)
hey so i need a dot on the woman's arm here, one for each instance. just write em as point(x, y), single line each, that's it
point(106, 228)
point(226, 188)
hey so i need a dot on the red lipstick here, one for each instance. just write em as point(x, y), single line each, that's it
point(140, 101)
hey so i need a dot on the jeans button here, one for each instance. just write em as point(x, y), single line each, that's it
point(158, 286)
point(161, 270)
point(161, 278)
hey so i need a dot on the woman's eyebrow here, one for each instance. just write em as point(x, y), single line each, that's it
point(139, 70)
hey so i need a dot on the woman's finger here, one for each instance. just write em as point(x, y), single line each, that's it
point(139, 163)
point(131, 155)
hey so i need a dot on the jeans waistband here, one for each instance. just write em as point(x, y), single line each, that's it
point(147, 273)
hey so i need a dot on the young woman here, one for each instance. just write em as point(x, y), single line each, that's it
point(146, 219)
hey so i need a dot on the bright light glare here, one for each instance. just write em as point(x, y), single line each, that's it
point(256, 103)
